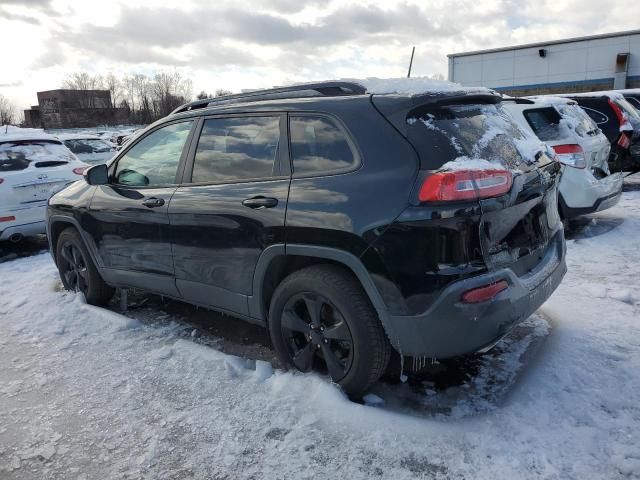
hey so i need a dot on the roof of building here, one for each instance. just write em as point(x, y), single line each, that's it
point(544, 44)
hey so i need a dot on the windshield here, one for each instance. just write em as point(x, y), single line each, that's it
point(477, 132)
point(578, 120)
point(17, 155)
point(88, 145)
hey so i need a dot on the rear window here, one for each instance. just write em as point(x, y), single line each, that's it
point(545, 122)
point(463, 132)
point(18, 155)
point(88, 145)
point(578, 120)
point(318, 146)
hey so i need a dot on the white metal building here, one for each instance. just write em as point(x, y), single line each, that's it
point(598, 62)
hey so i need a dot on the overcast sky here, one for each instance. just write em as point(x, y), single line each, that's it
point(236, 44)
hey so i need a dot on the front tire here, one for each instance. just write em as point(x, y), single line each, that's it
point(321, 319)
point(77, 270)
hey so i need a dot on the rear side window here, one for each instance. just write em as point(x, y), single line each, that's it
point(545, 122)
point(634, 101)
point(318, 146)
point(231, 149)
point(596, 116)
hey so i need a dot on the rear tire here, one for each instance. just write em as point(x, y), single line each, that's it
point(321, 319)
point(77, 270)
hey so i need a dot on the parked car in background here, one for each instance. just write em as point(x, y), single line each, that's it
point(632, 95)
point(32, 168)
point(586, 185)
point(89, 148)
point(619, 121)
point(347, 221)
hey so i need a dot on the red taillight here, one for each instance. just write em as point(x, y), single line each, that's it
point(624, 141)
point(7, 219)
point(482, 294)
point(465, 185)
point(571, 154)
point(622, 117)
point(571, 148)
point(79, 170)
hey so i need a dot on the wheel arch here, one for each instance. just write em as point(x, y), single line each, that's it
point(57, 224)
point(278, 261)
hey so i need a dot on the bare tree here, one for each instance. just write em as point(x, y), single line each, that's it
point(203, 95)
point(221, 92)
point(114, 85)
point(7, 111)
point(84, 82)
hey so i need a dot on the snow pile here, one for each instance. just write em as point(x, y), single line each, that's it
point(85, 392)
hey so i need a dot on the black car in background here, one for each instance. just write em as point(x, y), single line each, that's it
point(619, 121)
point(330, 216)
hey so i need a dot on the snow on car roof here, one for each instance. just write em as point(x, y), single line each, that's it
point(12, 137)
point(551, 100)
point(11, 133)
point(612, 94)
point(414, 86)
point(78, 136)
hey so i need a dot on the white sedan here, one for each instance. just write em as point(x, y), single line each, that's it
point(32, 168)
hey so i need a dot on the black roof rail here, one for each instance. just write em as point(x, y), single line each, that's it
point(329, 89)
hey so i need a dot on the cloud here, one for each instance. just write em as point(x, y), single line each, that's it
point(6, 15)
point(257, 43)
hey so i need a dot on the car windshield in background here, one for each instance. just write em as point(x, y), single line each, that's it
point(578, 119)
point(88, 145)
point(17, 155)
point(471, 131)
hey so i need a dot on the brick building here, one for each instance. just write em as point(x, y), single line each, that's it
point(74, 109)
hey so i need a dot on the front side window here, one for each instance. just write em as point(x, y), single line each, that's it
point(153, 161)
point(318, 146)
point(240, 148)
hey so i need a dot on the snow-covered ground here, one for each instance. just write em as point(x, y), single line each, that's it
point(89, 393)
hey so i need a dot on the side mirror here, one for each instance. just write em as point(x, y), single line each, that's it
point(97, 175)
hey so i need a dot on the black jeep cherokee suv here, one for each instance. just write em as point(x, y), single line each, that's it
point(328, 215)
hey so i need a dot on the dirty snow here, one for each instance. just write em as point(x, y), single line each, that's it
point(89, 393)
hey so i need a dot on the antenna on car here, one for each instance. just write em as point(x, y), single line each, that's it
point(413, 50)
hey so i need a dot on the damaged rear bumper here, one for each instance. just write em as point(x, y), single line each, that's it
point(451, 328)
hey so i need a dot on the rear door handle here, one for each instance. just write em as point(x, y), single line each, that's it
point(260, 202)
point(153, 202)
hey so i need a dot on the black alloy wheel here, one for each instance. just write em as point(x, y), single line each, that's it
point(77, 270)
point(73, 268)
point(317, 335)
